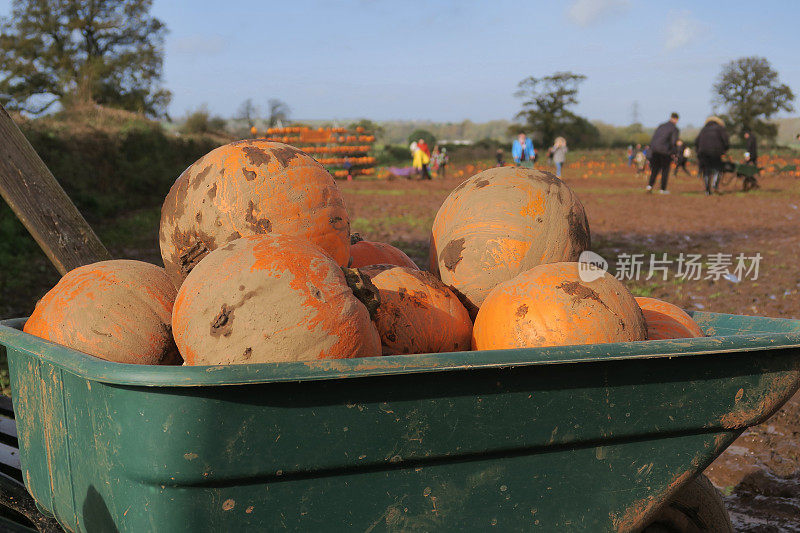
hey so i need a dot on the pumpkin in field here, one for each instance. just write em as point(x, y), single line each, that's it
point(550, 305)
point(116, 310)
point(417, 312)
point(270, 298)
point(246, 188)
point(366, 253)
point(667, 321)
point(501, 222)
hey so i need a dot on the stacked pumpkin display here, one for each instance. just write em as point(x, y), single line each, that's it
point(260, 267)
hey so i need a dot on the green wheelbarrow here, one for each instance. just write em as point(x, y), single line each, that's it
point(578, 438)
point(746, 172)
point(608, 437)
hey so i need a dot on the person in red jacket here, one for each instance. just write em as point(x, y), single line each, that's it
point(422, 145)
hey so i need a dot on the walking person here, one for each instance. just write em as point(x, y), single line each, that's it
point(348, 167)
point(435, 159)
point(640, 160)
point(663, 147)
point(712, 142)
point(444, 160)
point(751, 158)
point(498, 155)
point(424, 147)
point(682, 157)
point(631, 155)
point(752, 148)
point(559, 153)
point(414, 148)
point(522, 151)
point(420, 162)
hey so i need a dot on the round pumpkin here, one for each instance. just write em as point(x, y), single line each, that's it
point(117, 310)
point(365, 253)
point(247, 188)
point(667, 321)
point(550, 305)
point(270, 298)
point(501, 222)
point(417, 312)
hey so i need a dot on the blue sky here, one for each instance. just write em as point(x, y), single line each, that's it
point(449, 60)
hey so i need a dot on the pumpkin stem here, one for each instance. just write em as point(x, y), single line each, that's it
point(363, 289)
point(355, 237)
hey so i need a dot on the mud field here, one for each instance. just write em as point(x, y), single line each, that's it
point(759, 474)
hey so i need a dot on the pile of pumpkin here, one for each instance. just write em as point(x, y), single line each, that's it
point(260, 266)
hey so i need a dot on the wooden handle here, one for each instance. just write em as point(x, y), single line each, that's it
point(30, 189)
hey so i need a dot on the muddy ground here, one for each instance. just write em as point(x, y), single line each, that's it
point(760, 473)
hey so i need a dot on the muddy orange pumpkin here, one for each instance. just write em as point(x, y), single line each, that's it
point(366, 253)
point(116, 310)
point(501, 222)
point(417, 312)
point(667, 321)
point(270, 298)
point(246, 188)
point(550, 305)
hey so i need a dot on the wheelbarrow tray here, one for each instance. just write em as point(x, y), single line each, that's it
point(578, 437)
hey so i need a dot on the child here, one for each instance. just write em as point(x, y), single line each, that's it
point(435, 159)
point(499, 156)
point(682, 157)
point(444, 159)
point(640, 161)
point(348, 167)
point(559, 154)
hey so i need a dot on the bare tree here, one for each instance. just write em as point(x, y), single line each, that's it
point(248, 112)
point(278, 111)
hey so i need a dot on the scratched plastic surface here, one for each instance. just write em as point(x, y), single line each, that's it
point(591, 438)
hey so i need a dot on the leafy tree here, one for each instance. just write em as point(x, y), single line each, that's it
point(749, 92)
point(201, 121)
point(369, 126)
point(248, 112)
point(545, 106)
point(279, 111)
point(580, 132)
point(103, 51)
point(416, 135)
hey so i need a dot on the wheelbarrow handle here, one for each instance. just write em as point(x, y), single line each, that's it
point(15, 497)
point(30, 189)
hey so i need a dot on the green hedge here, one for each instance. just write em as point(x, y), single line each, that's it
point(108, 174)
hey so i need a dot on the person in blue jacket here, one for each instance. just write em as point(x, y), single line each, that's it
point(522, 151)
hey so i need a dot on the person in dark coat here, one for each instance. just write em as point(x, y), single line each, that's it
point(712, 142)
point(682, 157)
point(501, 162)
point(752, 148)
point(750, 182)
point(663, 147)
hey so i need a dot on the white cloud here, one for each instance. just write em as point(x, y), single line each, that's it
point(587, 12)
point(682, 29)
